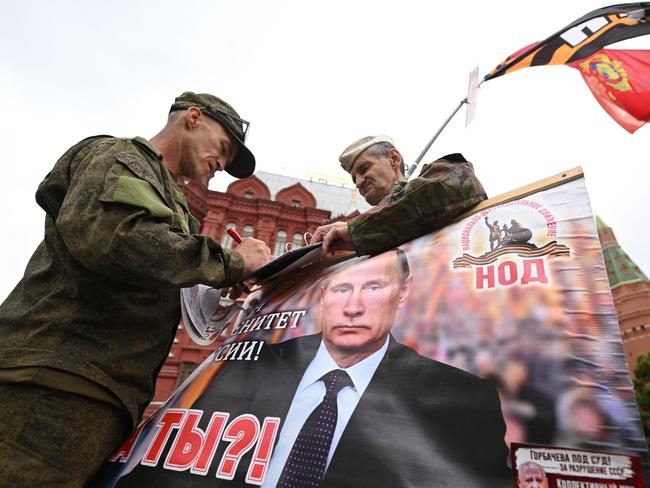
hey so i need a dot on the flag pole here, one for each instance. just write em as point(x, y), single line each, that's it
point(413, 167)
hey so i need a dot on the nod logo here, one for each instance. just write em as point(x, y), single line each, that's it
point(510, 244)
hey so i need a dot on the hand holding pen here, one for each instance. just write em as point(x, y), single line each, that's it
point(255, 252)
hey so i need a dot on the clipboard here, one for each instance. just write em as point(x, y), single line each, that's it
point(291, 260)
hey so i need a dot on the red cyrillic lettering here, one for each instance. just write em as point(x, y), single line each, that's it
point(529, 276)
point(262, 454)
point(124, 451)
point(484, 273)
point(170, 420)
point(242, 434)
point(507, 273)
point(187, 443)
point(214, 430)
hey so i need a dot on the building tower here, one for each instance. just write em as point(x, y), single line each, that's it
point(631, 291)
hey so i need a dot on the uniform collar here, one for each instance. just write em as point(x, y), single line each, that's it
point(145, 144)
point(395, 193)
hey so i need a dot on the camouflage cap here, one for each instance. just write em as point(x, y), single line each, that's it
point(244, 163)
point(352, 152)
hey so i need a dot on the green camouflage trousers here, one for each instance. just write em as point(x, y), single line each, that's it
point(53, 438)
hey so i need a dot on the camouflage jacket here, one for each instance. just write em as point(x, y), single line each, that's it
point(444, 190)
point(99, 299)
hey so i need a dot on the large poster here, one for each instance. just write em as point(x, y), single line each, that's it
point(419, 367)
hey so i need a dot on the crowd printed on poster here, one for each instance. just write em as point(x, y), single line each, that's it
point(446, 372)
point(556, 467)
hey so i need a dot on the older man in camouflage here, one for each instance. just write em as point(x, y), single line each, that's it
point(403, 210)
point(85, 332)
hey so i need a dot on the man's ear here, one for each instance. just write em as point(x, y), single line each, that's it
point(395, 158)
point(192, 117)
point(404, 292)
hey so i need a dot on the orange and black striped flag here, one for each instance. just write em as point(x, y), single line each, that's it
point(581, 38)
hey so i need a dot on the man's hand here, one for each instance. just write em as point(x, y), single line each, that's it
point(335, 237)
point(255, 253)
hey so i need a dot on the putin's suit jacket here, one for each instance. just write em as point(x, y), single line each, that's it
point(420, 423)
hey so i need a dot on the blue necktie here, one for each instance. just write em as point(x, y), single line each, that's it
point(305, 465)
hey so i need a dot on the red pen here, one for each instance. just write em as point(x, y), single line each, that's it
point(234, 234)
point(237, 238)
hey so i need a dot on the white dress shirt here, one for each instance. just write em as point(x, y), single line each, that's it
point(310, 394)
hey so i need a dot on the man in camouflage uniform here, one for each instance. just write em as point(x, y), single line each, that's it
point(86, 331)
point(403, 210)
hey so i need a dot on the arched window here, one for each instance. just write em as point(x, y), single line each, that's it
point(280, 241)
point(297, 240)
point(226, 240)
point(248, 231)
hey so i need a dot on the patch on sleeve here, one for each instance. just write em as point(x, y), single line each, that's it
point(134, 191)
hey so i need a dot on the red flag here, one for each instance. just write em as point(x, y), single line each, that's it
point(620, 81)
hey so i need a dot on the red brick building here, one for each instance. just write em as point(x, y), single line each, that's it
point(631, 291)
point(274, 208)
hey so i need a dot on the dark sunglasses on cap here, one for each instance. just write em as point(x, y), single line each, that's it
point(244, 123)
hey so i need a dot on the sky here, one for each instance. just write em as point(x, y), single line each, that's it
point(311, 77)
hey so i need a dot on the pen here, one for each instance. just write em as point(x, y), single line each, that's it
point(237, 238)
point(234, 234)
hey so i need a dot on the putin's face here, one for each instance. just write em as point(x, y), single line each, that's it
point(358, 306)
